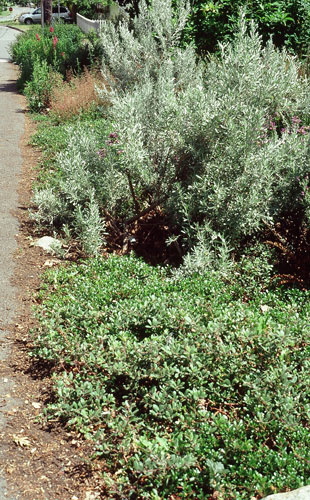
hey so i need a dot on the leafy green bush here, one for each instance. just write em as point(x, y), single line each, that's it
point(39, 90)
point(184, 386)
point(63, 47)
point(286, 21)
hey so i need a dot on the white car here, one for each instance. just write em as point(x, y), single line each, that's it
point(35, 16)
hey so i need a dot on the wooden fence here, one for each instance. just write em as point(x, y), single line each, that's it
point(112, 12)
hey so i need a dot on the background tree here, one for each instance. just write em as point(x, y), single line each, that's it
point(286, 21)
point(88, 8)
point(47, 8)
point(131, 6)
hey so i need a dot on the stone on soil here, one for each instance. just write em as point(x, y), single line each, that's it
point(48, 243)
point(300, 494)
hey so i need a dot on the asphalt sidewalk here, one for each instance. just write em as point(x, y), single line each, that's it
point(11, 131)
point(7, 36)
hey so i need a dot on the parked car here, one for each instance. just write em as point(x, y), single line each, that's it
point(35, 16)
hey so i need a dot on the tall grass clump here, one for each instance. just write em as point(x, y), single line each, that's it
point(221, 146)
point(75, 97)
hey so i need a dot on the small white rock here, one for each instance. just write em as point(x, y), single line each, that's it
point(90, 495)
point(48, 243)
point(300, 494)
point(51, 263)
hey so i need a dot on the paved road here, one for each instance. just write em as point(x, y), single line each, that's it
point(17, 11)
point(11, 130)
point(7, 36)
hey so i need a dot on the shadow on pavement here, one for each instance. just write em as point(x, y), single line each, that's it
point(9, 86)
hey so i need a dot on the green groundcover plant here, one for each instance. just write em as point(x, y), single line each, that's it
point(187, 386)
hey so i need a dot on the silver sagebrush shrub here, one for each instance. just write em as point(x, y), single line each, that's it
point(216, 147)
point(89, 225)
point(72, 200)
point(249, 164)
point(134, 49)
point(221, 146)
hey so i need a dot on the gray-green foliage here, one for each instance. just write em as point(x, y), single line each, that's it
point(245, 174)
point(199, 141)
point(134, 49)
point(221, 146)
point(71, 201)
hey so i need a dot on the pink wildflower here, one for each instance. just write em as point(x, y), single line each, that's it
point(37, 37)
point(51, 29)
point(296, 120)
point(55, 41)
point(272, 125)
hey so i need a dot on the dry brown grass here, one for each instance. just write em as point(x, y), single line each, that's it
point(75, 96)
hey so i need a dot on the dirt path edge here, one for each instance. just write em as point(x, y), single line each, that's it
point(38, 461)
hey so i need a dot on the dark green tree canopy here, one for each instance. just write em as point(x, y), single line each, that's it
point(286, 21)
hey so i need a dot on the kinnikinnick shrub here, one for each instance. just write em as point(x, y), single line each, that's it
point(187, 386)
